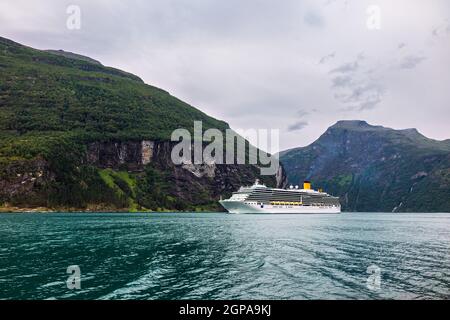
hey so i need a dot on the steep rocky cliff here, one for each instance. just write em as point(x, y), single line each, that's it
point(125, 175)
point(26, 180)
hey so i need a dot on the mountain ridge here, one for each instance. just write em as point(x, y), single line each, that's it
point(362, 125)
point(72, 55)
point(374, 168)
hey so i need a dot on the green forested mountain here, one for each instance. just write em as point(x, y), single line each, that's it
point(373, 168)
point(76, 134)
point(49, 93)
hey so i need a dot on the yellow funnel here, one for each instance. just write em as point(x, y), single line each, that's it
point(307, 185)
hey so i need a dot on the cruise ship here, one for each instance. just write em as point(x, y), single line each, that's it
point(261, 199)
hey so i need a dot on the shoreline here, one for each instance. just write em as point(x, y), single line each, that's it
point(44, 210)
point(12, 209)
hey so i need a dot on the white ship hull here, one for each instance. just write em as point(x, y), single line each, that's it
point(241, 207)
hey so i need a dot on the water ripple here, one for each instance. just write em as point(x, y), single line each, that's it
point(220, 256)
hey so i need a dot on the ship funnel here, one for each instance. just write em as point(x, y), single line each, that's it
point(307, 185)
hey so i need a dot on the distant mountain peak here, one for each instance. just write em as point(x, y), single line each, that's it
point(411, 131)
point(355, 125)
point(361, 125)
point(351, 123)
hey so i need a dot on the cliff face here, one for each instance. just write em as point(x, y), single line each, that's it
point(134, 156)
point(129, 154)
point(136, 175)
point(190, 183)
point(26, 180)
point(373, 168)
point(281, 178)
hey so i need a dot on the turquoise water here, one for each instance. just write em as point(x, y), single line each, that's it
point(222, 256)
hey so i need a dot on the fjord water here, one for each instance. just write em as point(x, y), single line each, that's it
point(223, 256)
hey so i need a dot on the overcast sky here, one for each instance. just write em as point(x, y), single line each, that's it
point(297, 66)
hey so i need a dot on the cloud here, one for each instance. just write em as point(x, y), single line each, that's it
point(346, 68)
point(299, 125)
point(442, 30)
point(313, 19)
point(326, 58)
point(362, 98)
point(366, 98)
point(329, 2)
point(305, 112)
point(301, 113)
point(355, 86)
point(410, 62)
point(341, 81)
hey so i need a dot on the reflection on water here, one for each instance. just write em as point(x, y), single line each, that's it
point(221, 256)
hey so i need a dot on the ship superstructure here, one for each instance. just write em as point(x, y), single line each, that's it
point(261, 199)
